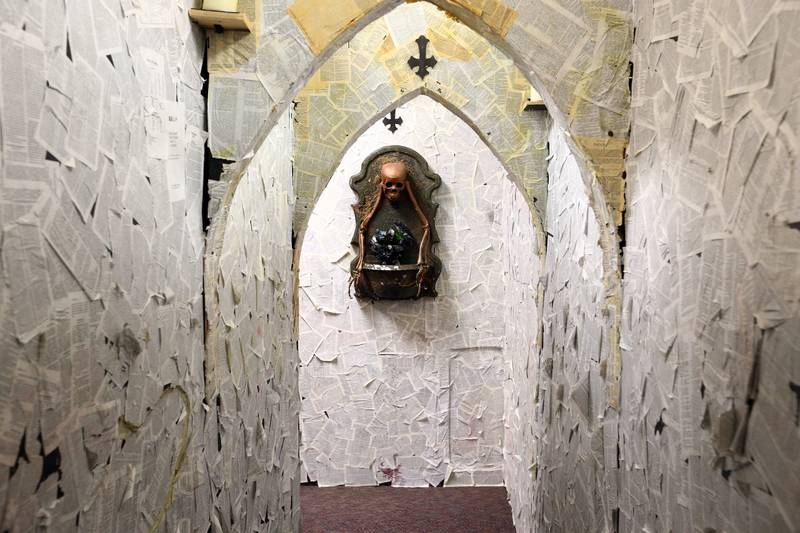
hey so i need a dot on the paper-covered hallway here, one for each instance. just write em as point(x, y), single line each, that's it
point(376, 265)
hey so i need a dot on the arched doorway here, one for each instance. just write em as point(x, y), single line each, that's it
point(413, 390)
point(248, 265)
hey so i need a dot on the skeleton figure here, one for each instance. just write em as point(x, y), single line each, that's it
point(395, 185)
point(394, 178)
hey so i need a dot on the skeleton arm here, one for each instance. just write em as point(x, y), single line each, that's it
point(422, 259)
point(362, 234)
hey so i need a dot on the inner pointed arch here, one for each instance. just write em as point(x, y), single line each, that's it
point(479, 213)
point(305, 206)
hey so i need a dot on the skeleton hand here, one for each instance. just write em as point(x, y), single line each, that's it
point(422, 272)
point(355, 277)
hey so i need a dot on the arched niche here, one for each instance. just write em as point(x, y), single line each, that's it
point(301, 221)
point(303, 183)
point(577, 94)
point(354, 338)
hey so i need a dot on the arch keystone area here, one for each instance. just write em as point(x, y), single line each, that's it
point(574, 59)
point(577, 57)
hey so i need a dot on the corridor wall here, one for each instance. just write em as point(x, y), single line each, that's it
point(411, 392)
point(709, 433)
point(561, 472)
point(251, 359)
point(101, 320)
point(522, 317)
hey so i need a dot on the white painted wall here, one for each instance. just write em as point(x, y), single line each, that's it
point(410, 392)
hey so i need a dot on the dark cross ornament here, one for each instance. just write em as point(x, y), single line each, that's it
point(393, 121)
point(423, 63)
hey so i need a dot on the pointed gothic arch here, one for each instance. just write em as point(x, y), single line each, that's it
point(578, 100)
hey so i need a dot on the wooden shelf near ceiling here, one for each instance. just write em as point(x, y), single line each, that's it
point(535, 105)
point(221, 20)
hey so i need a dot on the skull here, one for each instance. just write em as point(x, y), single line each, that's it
point(394, 177)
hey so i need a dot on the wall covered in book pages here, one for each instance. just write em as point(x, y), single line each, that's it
point(575, 53)
point(101, 317)
point(411, 392)
point(709, 433)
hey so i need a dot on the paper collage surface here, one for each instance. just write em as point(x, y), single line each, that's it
point(709, 427)
point(577, 53)
point(251, 350)
point(565, 460)
point(411, 392)
point(653, 387)
point(101, 322)
point(363, 81)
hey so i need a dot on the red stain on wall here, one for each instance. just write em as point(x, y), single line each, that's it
point(392, 474)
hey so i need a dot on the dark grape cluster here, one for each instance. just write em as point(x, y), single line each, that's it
point(391, 243)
